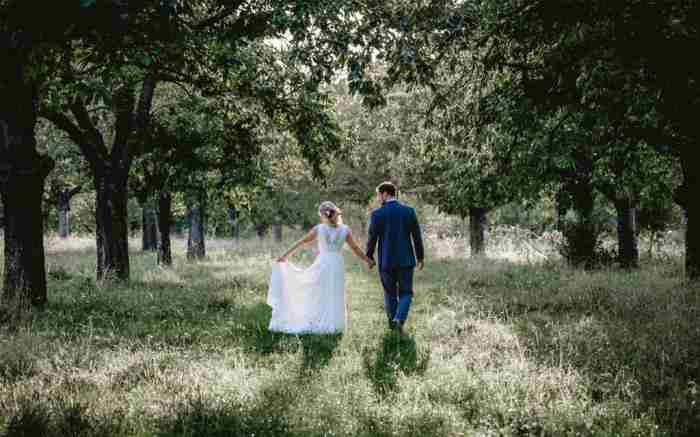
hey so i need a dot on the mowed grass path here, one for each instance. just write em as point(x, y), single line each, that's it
point(493, 348)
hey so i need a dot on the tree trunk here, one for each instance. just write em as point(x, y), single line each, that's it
point(628, 250)
point(63, 199)
point(63, 212)
point(22, 176)
point(687, 197)
point(477, 228)
point(164, 218)
point(692, 242)
point(277, 232)
point(110, 167)
point(261, 231)
point(235, 223)
point(25, 264)
point(581, 235)
point(195, 241)
point(149, 226)
point(112, 225)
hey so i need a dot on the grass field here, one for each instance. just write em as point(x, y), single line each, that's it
point(494, 348)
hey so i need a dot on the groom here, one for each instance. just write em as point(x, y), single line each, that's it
point(395, 227)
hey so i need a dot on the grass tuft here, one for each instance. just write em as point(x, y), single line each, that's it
point(18, 357)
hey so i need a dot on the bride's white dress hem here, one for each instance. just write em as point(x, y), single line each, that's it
point(311, 300)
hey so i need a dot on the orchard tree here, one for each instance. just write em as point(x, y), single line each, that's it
point(202, 46)
point(556, 52)
point(69, 178)
point(560, 80)
point(465, 164)
point(192, 147)
point(29, 51)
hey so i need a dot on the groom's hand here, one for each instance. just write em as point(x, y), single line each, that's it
point(420, 265)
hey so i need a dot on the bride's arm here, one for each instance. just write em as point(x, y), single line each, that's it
point(356, 249)
point(308, 238)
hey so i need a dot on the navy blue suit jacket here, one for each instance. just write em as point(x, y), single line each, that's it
point(395, 227)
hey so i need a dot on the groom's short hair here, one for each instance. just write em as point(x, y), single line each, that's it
point(388, 188)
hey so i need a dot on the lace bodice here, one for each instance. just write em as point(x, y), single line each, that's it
point(331, 238)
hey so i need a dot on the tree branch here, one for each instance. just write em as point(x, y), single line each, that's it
point(217, 18)
point(62, 122)
point(123, 127)
point(74, 191)
point(93, 135)
point(142, 117)
point(143, 110)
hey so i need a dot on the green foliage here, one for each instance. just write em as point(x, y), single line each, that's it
point(385, 143)
point(527, 98)
point(538, 215)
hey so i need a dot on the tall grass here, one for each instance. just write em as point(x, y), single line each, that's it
point(494, 347)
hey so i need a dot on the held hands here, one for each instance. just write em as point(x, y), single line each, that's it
point(370, 263)
point(282, 259)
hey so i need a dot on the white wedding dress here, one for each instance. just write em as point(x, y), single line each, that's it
point(311, 300)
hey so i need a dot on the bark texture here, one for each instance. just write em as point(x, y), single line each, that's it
point(165, 213)
point(195, 240)
point(628, 249)
point(477, 231)
point(112, 231)
point(63, 199)
point(110, 167)
point(581, 234)
point(149, 226)
point(235, 223)
point(261, 231)
point(22, 177)
point(277, 232)
point(687, 197)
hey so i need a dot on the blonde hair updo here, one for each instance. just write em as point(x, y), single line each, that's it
point(331, 213)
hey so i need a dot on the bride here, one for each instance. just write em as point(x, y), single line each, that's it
point(312, 300)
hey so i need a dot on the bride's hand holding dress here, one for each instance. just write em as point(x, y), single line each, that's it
point(312, 300)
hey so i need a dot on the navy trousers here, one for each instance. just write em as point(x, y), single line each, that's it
point(398, 292)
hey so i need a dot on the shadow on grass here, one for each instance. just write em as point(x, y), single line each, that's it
point(266, 415)
point(173, 313)
point(398, 354)
point(633, 334)
point(34, 415)
point(317, 349)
